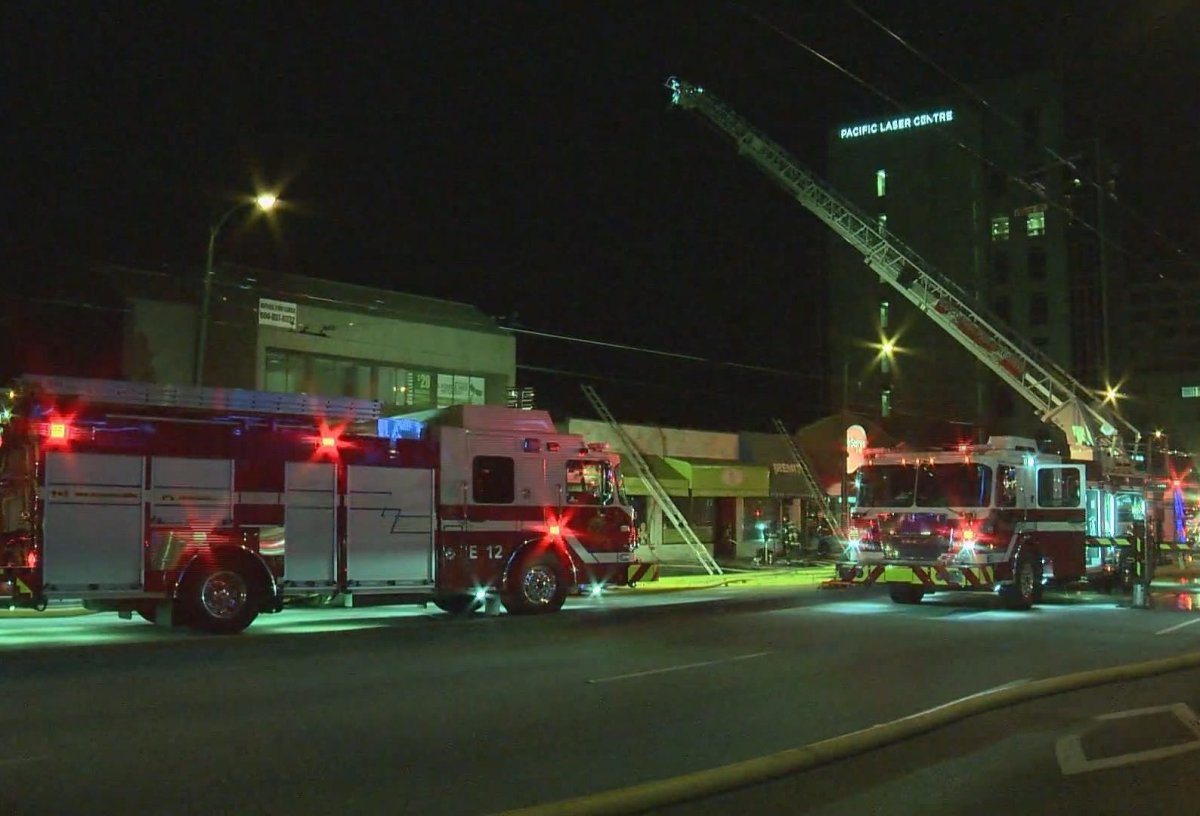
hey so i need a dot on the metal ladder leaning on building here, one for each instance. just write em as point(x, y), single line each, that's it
point(810, 481)
point(631, 454)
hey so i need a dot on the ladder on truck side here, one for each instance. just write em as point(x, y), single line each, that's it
point(810, 481)
point(1093, 431)
point(631, 454)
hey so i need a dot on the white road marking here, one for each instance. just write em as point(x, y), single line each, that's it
point(678, 668)
point(19, 760)
point(1177, 626)
point(1072, 760)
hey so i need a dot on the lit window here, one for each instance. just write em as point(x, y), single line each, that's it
point(1035, 224)
point(885, 403)
point(1000, 228)
point(882, 221)
point(880, 183)
point(883, 314)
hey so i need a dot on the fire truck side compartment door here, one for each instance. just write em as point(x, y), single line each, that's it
point(389, 525)
point(92, 523)
point(191, 492)
point(456, 467)
point(310, 523)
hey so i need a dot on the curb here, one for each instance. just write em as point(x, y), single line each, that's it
point(700, 784)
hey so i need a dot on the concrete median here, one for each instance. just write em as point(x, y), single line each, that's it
point(700, 784)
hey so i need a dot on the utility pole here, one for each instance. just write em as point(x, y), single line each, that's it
point(844, 512)
point(1102, 247)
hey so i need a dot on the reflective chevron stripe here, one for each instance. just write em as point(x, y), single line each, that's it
point(642, 572)
point(941, 576)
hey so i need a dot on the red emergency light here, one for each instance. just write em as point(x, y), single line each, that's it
point(57, 430)
point(327, 441)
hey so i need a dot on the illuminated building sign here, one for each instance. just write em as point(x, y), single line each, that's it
point(919, 120)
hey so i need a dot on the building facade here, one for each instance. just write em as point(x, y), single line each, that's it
point(979, 194)
point(273, 331)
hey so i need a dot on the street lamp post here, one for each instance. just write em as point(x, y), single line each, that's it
point(265, 202)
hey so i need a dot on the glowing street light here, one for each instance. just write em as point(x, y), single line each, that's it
point(265, 202)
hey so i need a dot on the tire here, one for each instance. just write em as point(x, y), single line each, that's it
point(456, 604)
point(1025, 588)
point(906, 593)
point(220, 599)
point(536, 586)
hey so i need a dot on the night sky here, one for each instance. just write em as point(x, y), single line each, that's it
point(521, 157)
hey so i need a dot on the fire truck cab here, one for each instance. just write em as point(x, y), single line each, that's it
point(999, 517)
point(206, 507)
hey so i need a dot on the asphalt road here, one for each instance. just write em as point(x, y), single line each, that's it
point(381, 711)
point(1121, 749)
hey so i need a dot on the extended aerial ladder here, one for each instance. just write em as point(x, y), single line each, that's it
point(1093, 431)
point(632, 456)
point(810, 481)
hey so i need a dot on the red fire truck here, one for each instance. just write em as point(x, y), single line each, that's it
point(205, 507)
point(1000, 517)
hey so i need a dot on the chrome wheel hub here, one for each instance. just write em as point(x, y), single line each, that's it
point(539, 584)
point(224, 594)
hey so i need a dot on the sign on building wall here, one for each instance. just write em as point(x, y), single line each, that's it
point(856, 446)
point(277, 313)
point(908, 122)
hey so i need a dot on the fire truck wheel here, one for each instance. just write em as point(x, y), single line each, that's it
point(220, 599)
point(456, 604)
point(905, 593)
point(536, 586)
point(1025, 588)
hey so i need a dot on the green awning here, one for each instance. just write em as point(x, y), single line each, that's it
point(717, 478)
point(672, 479)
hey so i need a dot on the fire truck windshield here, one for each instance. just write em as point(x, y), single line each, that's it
point(948, 484)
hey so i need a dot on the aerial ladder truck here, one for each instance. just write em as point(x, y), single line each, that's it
point(1002, 516)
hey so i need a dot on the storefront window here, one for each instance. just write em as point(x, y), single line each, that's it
point(296, 372)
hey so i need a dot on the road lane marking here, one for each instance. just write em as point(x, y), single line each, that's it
point(678, 668)
point(19, 760)
point(1072, 760)
point(1177, 626)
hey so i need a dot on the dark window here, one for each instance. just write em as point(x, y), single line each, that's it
point(1039, 309)
point(1037, 264)
point(1007, 486)
point(1030, 122)
point(492, 480)
point(954, 485)
point(1002, 308)
point(997, 181)
point(1000, 266)
point(1058, 487)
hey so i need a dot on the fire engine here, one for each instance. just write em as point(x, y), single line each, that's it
point(1002, 516)
point(205, 507)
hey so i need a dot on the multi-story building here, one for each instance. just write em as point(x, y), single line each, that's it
point(273, 331)
point(1001, 200)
